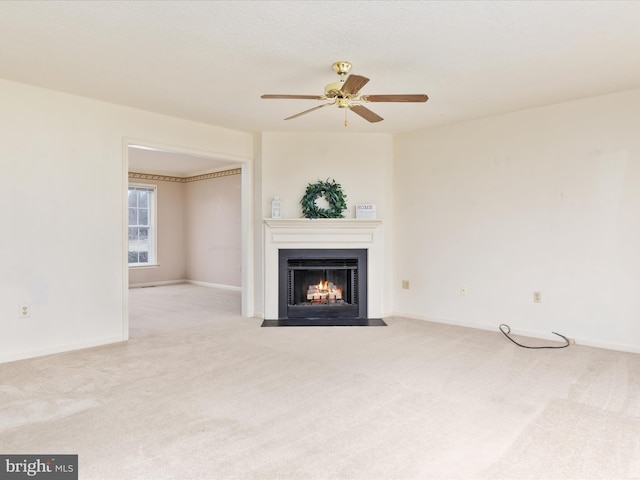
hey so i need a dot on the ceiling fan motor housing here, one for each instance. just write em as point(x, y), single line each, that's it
point(333, 90)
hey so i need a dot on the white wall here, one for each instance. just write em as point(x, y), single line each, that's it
point(256, 239)
point(62, 184)
point(545, 200)
point(361, 163)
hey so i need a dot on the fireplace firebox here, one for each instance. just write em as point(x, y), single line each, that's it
point(322, 284)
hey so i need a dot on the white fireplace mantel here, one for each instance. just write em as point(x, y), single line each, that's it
point(324, 233)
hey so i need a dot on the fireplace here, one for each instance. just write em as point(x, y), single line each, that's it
point(324, 235)
point(322, 284)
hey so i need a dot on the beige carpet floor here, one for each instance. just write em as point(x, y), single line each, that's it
point(201, 393)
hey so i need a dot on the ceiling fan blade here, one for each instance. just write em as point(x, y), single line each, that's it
point(293, 97)
point(396, 98)
point(353, 84)
point(310, 110)
point(367, 114)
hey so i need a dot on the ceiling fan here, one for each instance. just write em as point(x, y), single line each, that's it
point(346, 94)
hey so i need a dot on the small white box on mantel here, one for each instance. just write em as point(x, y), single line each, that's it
point(365, 211)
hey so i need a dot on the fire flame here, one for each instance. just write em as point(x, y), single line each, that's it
point(326, 287)
point(324, 292)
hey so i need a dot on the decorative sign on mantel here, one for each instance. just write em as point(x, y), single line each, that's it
point(366, 211)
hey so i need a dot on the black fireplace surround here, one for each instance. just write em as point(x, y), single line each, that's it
point(322, 287)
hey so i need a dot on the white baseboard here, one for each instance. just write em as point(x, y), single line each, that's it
point(214, 285)
point(157, 284)
point(444, 321)
point(183, 280)
point(59, 349)
point(607, 346)
point(526, 333)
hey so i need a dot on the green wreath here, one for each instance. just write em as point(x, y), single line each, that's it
point(332, 193)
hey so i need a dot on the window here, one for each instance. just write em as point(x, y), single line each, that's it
point(142, 234)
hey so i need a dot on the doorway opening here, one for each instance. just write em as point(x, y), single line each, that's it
point(200, 220)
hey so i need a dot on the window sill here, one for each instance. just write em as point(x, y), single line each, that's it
point(150, 265)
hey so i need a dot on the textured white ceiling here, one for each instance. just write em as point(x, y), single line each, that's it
point(210, 61)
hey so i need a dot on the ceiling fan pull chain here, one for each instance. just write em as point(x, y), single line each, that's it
point(345, 117)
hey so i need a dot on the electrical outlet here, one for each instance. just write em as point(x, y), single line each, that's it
point(463, 290)
point(537, 297)
point(405, 284)
point(25, 311)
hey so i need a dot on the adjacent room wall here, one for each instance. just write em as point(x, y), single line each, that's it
point(199, 233)
point(62, 191)
point(213, 231)
point(171, 244)
point(543, 200)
